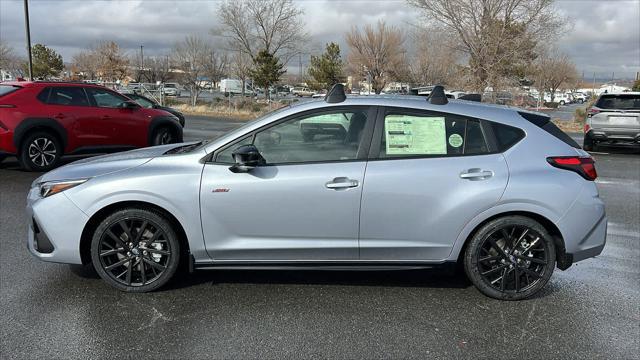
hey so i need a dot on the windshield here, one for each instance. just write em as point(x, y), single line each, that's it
point(170, 85)
point(619, 101)
point(8, 89)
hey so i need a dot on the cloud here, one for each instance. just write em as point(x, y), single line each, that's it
point(604, 38)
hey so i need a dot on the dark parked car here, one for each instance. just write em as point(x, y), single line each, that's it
point(152, 104)
point(41, 121)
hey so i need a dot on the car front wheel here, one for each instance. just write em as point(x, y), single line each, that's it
point(510, 258)
point(40, 151)
point(135, 250)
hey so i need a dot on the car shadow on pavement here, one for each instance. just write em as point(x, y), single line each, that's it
point(429, 278)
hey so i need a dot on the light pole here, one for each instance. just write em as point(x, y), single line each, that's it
point(28, 30)
point(141, 63)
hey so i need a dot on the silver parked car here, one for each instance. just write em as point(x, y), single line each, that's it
point(411, 183)
point(614, 120)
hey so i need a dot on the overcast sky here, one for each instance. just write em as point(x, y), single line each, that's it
point(604, 37)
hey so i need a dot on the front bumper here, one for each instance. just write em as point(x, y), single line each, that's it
point(55, 228)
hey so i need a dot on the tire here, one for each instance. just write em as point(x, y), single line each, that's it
point(40, 151)
point(588, 144)
point(488, 264)
point(2, 157)
point(163, 136)
point(131, 259)
point(562, 102)
point(580, 101)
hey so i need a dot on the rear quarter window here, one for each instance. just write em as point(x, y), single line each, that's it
point(8, 89)
point(506, 136)
point(544, 122)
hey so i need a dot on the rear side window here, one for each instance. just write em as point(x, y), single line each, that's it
point(418, 135)
point(8, 89)
point(544, 122)
point(619, 101)
point(67, 95)
point(506, 136)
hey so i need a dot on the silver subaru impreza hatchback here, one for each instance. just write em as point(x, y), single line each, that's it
point(352, 183)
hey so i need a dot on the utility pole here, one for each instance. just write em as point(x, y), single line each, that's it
point(141, 63)
point(594, 84)
point(300, 68)
point(28, 30)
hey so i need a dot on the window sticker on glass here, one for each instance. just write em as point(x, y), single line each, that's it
point(415, 135)
point(455, 140)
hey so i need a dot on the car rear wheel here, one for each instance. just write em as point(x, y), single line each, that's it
point(135, 250)
point(510, 258)
point(163, 136)
point(40, 151)
point(2, 157)
point(588, 144)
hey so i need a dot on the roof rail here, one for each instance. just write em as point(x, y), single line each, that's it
point(471, 97)
point(437, 96)
point(336, 94)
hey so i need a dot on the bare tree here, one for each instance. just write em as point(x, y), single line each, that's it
point(494, 34)
point(113, 64)
point(215, 66)
point(85, 64)
point(190, 56)
point(435, 57)
point(553, 71)
point(241, 67)
point(377, 53)
point(157, 68)
point(251, 26)
point(9, 61)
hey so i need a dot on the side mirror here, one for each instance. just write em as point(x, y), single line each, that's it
point(247, 157)
point(132, 105)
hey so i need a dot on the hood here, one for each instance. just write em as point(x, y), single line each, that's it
point(105, 164)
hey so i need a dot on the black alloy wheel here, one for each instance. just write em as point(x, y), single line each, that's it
point(510, 258)
point(135, 250)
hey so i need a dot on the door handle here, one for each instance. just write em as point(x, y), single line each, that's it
point(341, 183)
point(106, 117)
point(476, 174)
point(60, 116)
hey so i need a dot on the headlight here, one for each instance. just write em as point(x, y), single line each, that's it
point(53, 187)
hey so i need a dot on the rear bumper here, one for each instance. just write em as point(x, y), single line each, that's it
point(584, 225)
point(629, 137)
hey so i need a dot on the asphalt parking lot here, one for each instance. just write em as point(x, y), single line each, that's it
point(589, 311)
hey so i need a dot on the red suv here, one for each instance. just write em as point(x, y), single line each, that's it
point(41, 121)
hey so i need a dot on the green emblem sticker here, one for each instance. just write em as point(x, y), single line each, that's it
point(455, 140)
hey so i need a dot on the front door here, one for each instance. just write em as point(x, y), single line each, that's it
point(431, 173)
point(303, 205)
point(112, 124)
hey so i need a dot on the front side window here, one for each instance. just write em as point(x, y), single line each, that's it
point(106, 98)
point(67, 95)
point(333, 136)
point(417, 135)
point(142, 101)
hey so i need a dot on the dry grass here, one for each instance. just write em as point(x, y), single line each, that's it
point(569, 126)
point(240, 111)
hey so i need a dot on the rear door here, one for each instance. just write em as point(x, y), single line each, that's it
point(429, 175)
point(70, 107)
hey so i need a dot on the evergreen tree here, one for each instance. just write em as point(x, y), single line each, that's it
point(326, 69)
point(267, 70)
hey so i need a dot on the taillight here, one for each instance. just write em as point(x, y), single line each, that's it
point(585, 166)
point(586, 128)
point(592, 111)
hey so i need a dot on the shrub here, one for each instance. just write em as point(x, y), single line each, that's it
point(553, 105)
point(580, 114)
